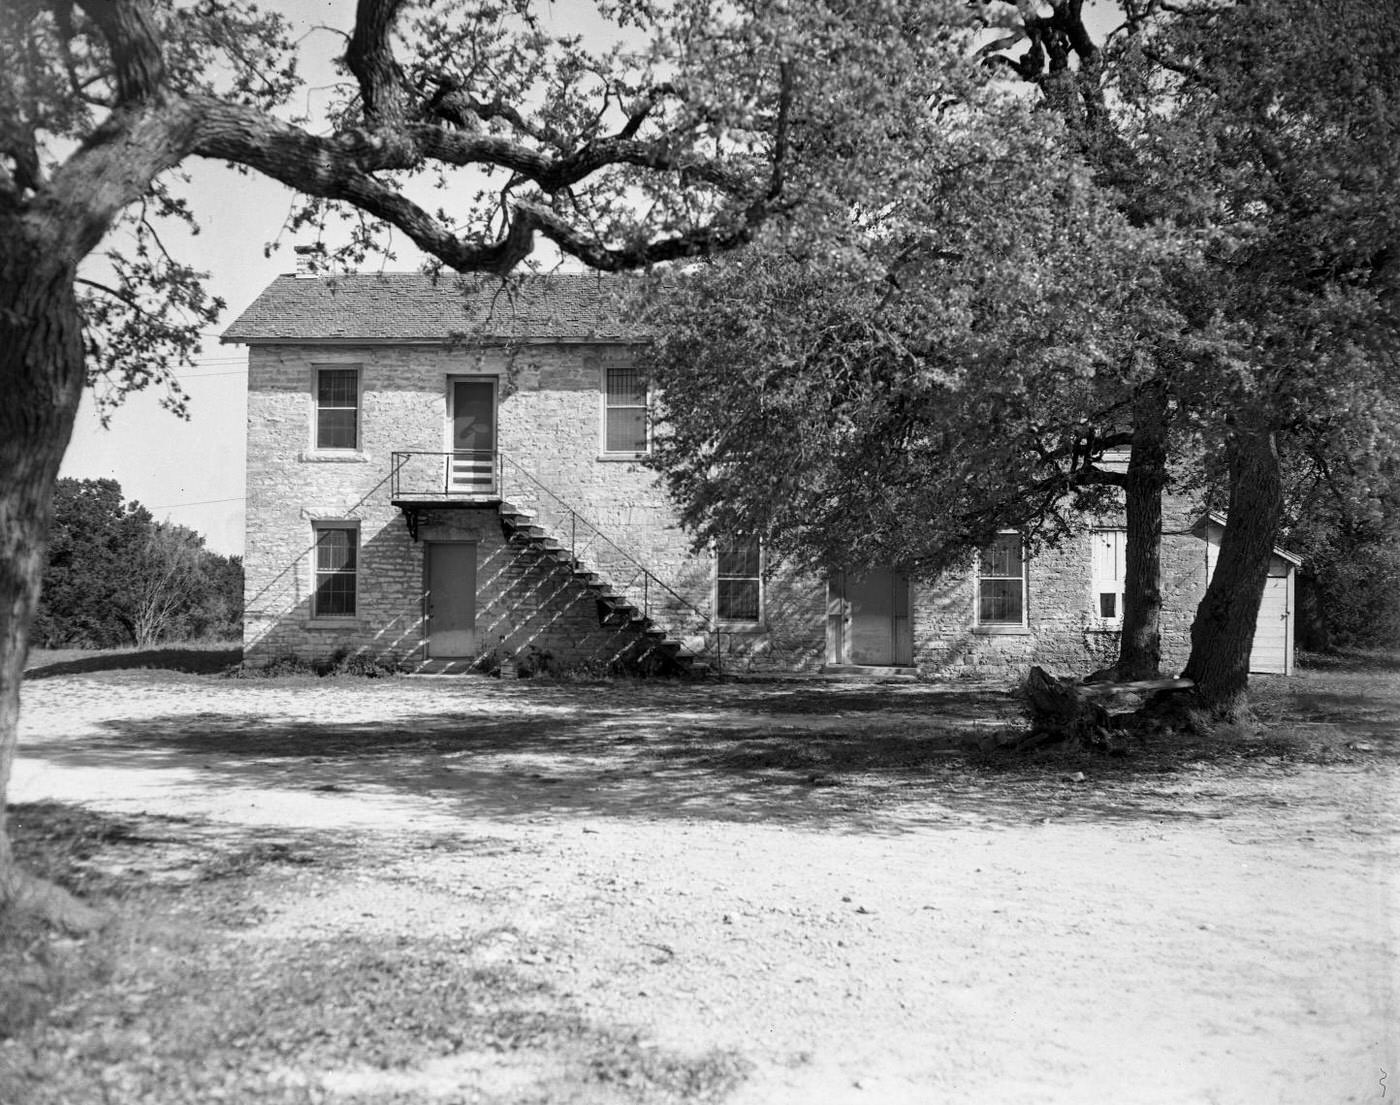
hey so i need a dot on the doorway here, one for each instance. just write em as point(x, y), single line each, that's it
point(472, 428)
point(449, 599)
point(868, 622)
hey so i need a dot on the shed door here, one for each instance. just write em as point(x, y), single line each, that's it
point(1269, 655)
point(450, 599)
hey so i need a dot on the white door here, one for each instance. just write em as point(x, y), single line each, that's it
point(1269, 656)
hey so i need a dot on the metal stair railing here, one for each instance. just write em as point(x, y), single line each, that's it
point(587, 543)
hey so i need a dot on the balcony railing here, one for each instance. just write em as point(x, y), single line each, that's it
point(465, 474)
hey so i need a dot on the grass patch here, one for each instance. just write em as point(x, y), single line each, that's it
point(190, 658)
point(182, 997)
point(41, 968)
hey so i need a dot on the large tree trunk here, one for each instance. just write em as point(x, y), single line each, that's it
point(1140, 647)
point(41, 380)
point(1223, 633)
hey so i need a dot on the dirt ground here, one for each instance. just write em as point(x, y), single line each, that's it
point(827, 887)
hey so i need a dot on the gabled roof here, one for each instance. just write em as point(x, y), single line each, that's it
point(414, 307)
point(1221, 521)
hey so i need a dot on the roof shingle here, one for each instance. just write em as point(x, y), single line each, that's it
point(418, 307)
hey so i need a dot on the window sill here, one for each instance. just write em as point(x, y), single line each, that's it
point(333, 623)
point(621, 458)
point(1002, 630)
point(333, 456)
point(1104, 628)
point(740, 627)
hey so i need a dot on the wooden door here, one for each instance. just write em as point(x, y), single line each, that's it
point(1269, 655)
point(450, 599)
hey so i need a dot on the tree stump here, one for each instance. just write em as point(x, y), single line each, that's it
point(1075, 712)
point(1058, 712)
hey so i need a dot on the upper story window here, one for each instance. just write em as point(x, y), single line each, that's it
point(1109, 567)
point(738, 581)
point(1001, 582)
point(624, 411)
point(337, 570)
point(337, 408)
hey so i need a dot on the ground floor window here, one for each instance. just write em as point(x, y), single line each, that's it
point(337, 559)
point(738, 583)
point(1001, 582)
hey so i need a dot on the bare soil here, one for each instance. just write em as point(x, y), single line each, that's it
point(749, 893)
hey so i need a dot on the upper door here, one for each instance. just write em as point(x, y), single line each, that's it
point(473, 417)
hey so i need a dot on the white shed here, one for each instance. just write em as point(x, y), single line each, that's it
point(1273, 632)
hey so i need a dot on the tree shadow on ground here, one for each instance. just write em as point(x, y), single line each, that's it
point(378, 1011)
point(191, 661)
point(858, 761)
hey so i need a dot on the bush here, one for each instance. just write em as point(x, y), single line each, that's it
point(341, 662)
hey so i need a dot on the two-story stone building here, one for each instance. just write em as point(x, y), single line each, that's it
point(442, 470)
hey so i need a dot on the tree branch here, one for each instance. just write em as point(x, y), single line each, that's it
point(342, 169)
point(371, 59)
point(134, 44)
point(116, 294)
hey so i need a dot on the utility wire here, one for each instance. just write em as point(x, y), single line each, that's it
point(202, 502)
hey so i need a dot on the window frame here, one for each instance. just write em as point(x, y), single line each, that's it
point(729, 622)
point(608, 407)
point(979, 577)
point(1097, 581)
point(317, 371)
point(330, 525)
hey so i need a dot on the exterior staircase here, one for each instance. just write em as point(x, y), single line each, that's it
point(673, 633)
point(629, 596)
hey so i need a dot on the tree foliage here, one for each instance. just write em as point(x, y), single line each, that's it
point(961, 367)
point(1251, 207)
point(115, 576)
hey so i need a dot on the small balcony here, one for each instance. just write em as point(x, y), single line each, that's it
point(467, 476)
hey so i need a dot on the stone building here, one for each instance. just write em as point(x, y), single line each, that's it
point(449, 473)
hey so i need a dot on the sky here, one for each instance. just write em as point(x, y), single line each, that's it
point(192, 472)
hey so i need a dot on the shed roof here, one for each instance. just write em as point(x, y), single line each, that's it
point(416, 307)
point(1221, 521)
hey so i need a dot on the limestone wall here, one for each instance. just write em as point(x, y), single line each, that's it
point(550, 424)
point(551, 429)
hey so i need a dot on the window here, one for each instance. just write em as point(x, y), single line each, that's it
point(1109, 563)
point(337, 408)
point(1001, 582)
point(738, 584)
point(337, 554)
point(625, 411)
